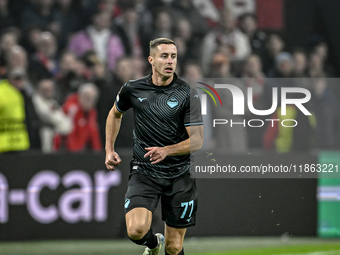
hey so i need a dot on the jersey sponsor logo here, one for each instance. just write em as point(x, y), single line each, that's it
point(172, 102)
point(127, 202)
point(141, 99)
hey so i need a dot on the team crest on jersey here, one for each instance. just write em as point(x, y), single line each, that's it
point(172, 102)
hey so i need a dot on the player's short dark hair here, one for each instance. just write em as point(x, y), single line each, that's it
point(158, 41)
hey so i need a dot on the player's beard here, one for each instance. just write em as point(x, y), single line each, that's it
point(164, 75)
point(169, 74)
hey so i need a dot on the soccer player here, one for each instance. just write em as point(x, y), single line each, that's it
point(168, 128)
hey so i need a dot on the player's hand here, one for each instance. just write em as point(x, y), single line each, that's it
point(157, 154)
point(112, 160)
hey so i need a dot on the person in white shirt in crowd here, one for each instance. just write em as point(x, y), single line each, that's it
point(225, 34)
point(51, 114)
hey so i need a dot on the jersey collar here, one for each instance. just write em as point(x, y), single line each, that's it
point(162, 87)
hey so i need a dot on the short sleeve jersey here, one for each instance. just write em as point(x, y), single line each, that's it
point(161, 114)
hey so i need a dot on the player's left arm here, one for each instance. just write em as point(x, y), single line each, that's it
point(192, 144)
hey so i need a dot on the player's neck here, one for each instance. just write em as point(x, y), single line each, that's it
point(161, 81)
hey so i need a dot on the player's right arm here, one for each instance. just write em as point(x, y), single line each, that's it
point(113, 122)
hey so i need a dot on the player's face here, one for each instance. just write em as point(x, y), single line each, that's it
point(165, 60)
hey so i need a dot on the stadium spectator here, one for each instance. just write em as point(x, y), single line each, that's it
point(68, 20)
point(9, 39)
point(13, 135)
point(44, 63)
point(99, 38)
point(145, 20)
point(283, 66)
point(163, 24)
point(233, 139)
point(184, 36)
point(183, 29)
point(6, 19)
point(127, 27)
point(182, 52)
point(104, 81)
point(139, 68)
point(53, 119)
point(17, 57)
point(220, 66)
point(80, 107)
point(283, 69)
point(248, 25)
point(288, 138)
point(209, 11)
point(41, 13)
point(108, 91)
point(253, 67)
point(18, 78)
point(321, 49)
point(31, 39)
point(240, 7)
point(111, 5)
point(155, 6)
point(325, 107)
point(273, 47)
point(88, 8)
point(70, 75)
point(185, 9)
point(192, 71)
point(315, 65)
point(226, 34)
point(300, 63)
point(253, 77)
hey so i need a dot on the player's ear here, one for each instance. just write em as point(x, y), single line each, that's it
point(150, 59)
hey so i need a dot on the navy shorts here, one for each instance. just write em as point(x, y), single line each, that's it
point(178, 197)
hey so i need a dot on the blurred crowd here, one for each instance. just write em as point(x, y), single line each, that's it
point(62, 62)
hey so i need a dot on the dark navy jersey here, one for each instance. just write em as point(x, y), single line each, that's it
point(161, 114)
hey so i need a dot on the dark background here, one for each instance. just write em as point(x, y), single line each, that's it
point(304, 20)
